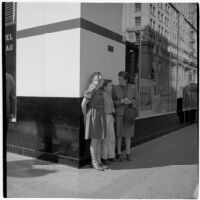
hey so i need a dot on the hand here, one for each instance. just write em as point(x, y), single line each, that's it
point(128, 101)
point(134, 103)
point(122, 101)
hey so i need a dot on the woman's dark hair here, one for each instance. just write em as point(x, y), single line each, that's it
point(124, 75)
point(106, 82)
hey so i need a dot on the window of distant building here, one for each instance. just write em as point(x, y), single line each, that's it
point(154, 10)
point(151, 22)
point(137, 7)
point(166, 8)
point(154, 25)
point(159, 15)
point(137, 35)
point(137, 21)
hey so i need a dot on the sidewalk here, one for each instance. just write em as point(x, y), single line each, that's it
point(166, 167)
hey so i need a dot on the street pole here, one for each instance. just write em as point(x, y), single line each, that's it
point(177, 60)
point(139, 74)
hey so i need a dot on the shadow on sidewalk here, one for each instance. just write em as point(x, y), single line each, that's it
point(25, 168)
point(175, 149)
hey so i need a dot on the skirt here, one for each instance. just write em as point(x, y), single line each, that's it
point(123, 129)
point(95, 125)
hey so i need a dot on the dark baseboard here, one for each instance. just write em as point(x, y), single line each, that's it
point(44, 156)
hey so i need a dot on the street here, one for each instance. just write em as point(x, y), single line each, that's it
point(166, 167)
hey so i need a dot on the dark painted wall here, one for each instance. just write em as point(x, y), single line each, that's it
point(10, 49)
point(47, 125)
point(53, 129)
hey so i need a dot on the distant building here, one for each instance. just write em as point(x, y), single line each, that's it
point(169, 49)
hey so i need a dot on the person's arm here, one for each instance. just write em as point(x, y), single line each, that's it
point(12, 98)
point(86, 99)
point(84, 107)
point(116, 101)
point(133, 100)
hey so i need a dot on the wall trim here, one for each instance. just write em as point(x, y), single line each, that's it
point(68, 25)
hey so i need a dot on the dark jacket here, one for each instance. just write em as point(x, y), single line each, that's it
point(10, 95)
point(117, 94)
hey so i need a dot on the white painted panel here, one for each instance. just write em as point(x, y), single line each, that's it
point(56, 12)
point(62, 63)
point(95, 57)
point(30, 66)
point(36, 14)
point(108, 15)
point(30, 15)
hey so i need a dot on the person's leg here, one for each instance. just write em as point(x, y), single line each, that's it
point(99, 141)
point(104, 148)
point(93, 150)
point(128, 144)
point(111, 140)
point(119, 143)
point(104, 143)
point(99, 144)
point(128, 147)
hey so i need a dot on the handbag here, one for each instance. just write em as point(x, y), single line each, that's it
point(130, 114)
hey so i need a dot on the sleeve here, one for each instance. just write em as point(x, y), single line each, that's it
point(135, 98)
point(12, 97)
point(88, 94)
point(114, 97)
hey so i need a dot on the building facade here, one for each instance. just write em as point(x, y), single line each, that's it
point(58, 45)
point(166, 34)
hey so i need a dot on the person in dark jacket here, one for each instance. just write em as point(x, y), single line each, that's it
point(124, 94)
point(10, 98)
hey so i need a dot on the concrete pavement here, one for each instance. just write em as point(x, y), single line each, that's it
point(166, 167)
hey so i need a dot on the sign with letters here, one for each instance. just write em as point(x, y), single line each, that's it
point(10, 49)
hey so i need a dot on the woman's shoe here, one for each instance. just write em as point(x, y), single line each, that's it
point(97, 166)
point(103, 166)
point(128, 157)
point(113, 160)
point(105, 162)
point(119, 157)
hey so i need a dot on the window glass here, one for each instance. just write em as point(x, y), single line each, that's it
point(137, 7)
point(137, 21)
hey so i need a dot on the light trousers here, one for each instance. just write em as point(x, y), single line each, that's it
point(109, 143)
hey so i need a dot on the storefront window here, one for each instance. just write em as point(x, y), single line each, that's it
point(158, 77)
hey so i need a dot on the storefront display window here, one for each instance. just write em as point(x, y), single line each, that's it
point(158, 79)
